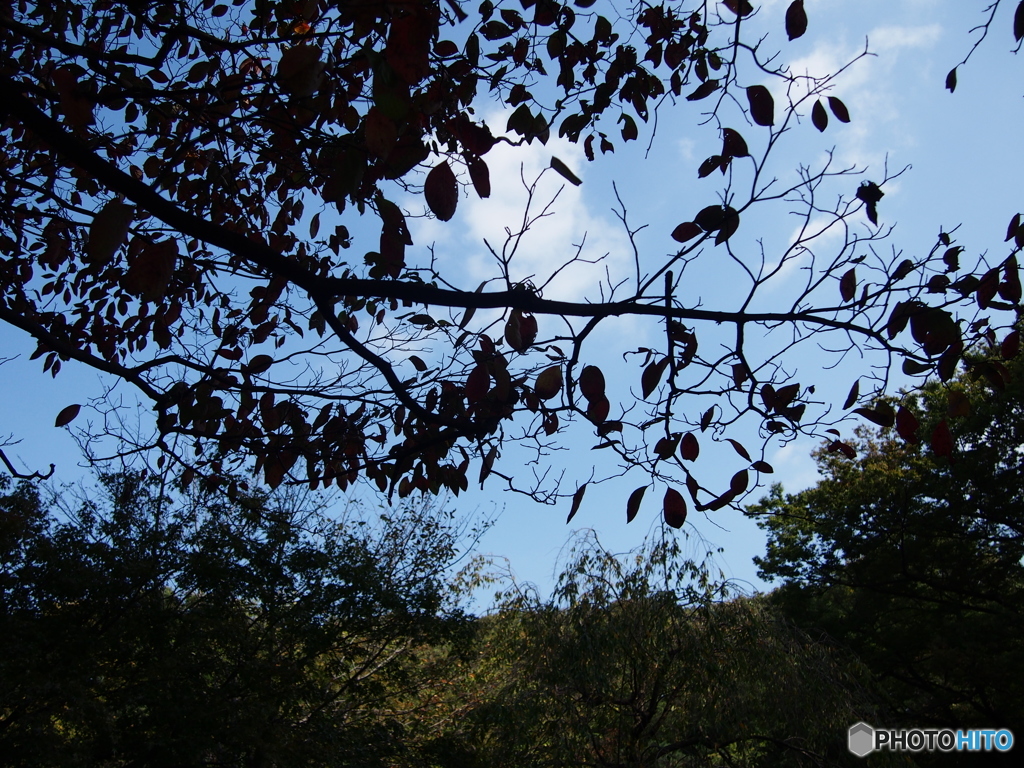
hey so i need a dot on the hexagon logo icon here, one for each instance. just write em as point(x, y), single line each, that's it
point(861, 739)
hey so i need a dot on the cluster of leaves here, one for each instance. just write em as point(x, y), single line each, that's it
point(143, 630)
point(914, 560)
point(175, 178)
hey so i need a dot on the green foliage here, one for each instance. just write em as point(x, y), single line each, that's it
point(914, 560)
point(637, 662)
point(152, 630)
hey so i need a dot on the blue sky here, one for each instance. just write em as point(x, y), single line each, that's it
point(965, 171)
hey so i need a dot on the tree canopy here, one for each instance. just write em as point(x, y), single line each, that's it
point(144, 628)
point(915, 561)
point(188, 187)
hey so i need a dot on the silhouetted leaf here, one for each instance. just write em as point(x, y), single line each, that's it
point(710, 218)
point(1018, 22)
point(67, 415)
point(907, 424)
point(838, 445)
point(730, 223)
point(851, 398)
point(903, 269)
point(739, 482)
point(477, 383)
point(1010, 287)
point(591, 383)
point(703, 90)
point(1011, 345)
point(733, 144)
point(942, 440)
point(689, 448)
point(739, 7)
point(738, 447)
point(686, 231)
point(597, 411)
point(762, 105)
point(666, 447)
point(882, 414)
point(549, 382)
point(705, 419)
point(577, 499)
point(633, 505)
point(564, 171)
point(441, 191)
point(848, 284)
point(796, 19)
point(259, 364)
point(839, 109)
point(951, 80)
point(651, 376)
point(709, 166)
point(763, 467)
point(819, 116)
point(674, 508)
point(480, 175)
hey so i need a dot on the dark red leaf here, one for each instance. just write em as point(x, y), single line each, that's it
point(987, 288)
point(1011, 345)
point(666, 446)
point(730, 223)
point(839, 109)
point(689, 448)
point(733, 144)
point(577, 499)
point(633, 505)
point(549, 382)
point(480, 175)
point(762, 105)
point(477, 384)
point(598, 410)
point(1010, 288)
point(819, 117)
point(763, 467)
point(703, 90)
point(705, 419)
point(674, 507)
point(796, 19)
point(710, 218)
point(1011, 230)
point(67, 415)
point(848, 284)
point(942, 439)
point(907, 424)
point(785, 395)
point(739, 7)
point(739, 448)
point(651, 376)
point(851, 398)
point(847, 451)
point(565, 172)
point(739, 482)
point(882, 415)
point(768, 397)
point(686, 231)
point(441, 191)
point(591, 383)
point(709, 166)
